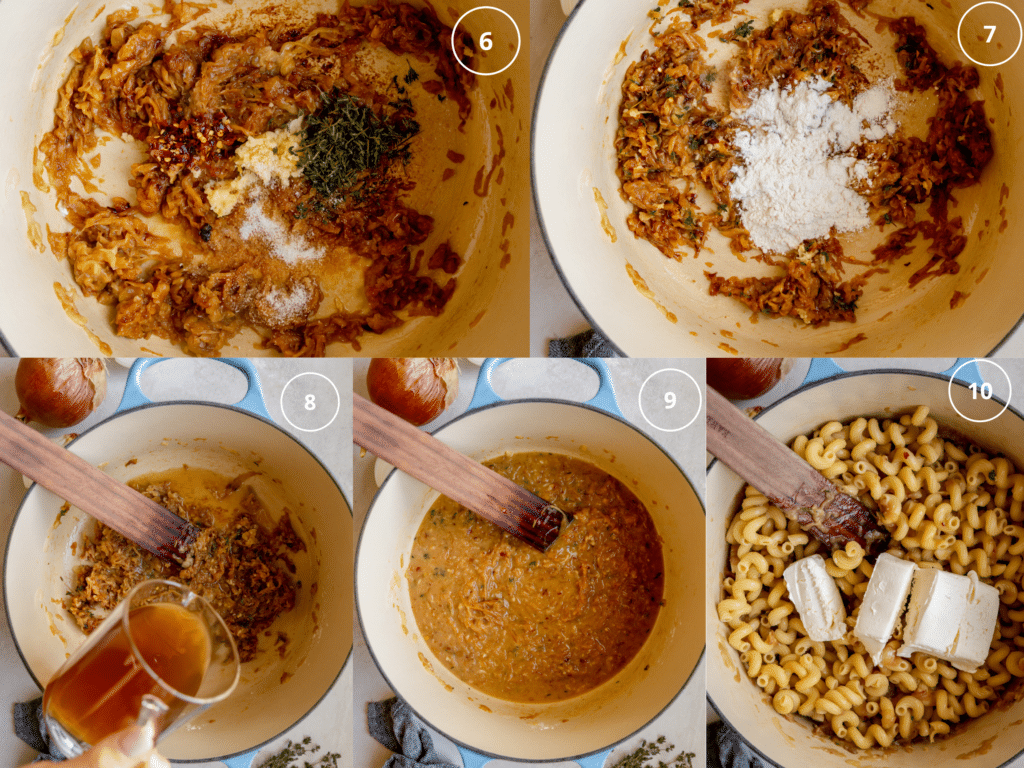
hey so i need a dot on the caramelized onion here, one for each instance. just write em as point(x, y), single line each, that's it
point(418, 389)
point(59, 392)
point(743, 378)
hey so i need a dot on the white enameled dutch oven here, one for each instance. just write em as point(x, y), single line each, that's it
point(482, 210)
point(669, 310)
point(989, 741)
point(276, 691)
point(586, 727)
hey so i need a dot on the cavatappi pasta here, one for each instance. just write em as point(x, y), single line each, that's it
point(947, 504)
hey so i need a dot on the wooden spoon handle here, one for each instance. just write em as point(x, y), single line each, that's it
point(759, 457)
point(471, 484)
point(71, 477)
point(792, 484)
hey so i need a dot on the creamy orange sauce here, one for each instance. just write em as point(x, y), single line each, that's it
point(537, 627)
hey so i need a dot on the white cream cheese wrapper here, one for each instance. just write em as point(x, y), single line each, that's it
point(977, 626)
point(938, 602)
point(883, 603)
point(816, 598)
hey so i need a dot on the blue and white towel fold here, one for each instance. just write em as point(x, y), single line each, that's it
point(30, 727)
point(589, 343)
point(726, 749)
point(393, 723)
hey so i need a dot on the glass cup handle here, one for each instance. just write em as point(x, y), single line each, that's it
point(151, 709)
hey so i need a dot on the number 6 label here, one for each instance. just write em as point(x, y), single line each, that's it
point(494, 31)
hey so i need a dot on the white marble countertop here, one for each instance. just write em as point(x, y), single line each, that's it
point(330, 723)
point(681, 723)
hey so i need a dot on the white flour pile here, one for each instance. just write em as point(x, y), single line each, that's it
point(795, 182)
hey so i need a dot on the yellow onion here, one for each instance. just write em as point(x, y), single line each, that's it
point(417, 389)
point(59, 391)
point(744, 378)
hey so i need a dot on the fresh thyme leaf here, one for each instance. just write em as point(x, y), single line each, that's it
point(411, 76)
point(347, 147)
point(744, 29)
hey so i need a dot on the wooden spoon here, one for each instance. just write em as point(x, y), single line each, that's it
point(793, 485)
point(474, 486)
point(75, 480)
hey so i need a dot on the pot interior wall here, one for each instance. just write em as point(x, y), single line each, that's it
point(276, 689)
point(574, 159)
point(580, 725)
point(479, 210)
point(989, 741)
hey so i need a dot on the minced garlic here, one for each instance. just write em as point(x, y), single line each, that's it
point(270, 158)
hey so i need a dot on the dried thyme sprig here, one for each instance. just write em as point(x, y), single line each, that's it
point(292, 752)
point(347, 147)
point(648, 750)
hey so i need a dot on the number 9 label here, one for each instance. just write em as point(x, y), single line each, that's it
point(670, 400)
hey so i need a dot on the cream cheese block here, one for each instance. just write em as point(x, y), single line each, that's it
point(816, 598)
point(977, 626)
point(938, 601)
point(955, 619)
point(883, 603)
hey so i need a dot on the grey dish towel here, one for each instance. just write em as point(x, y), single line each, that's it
point(394, 725)
point(587, 344)
point(30, 728)
point(727, 750)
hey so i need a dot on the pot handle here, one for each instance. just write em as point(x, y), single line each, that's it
point(245, 760)
point(472, 759)
point(253, 401)
point(484, 393)
point(966, 370)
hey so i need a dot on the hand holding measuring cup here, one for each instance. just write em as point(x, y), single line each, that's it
point(134, 747)
point(162, 656)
